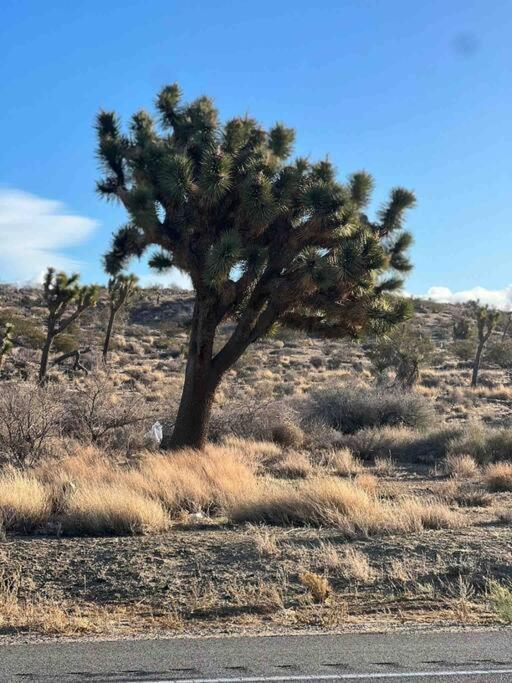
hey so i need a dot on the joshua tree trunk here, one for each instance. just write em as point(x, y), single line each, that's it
point(201, 382)
point(476, 364)
point(43, 368)
point(191, 428)
point(108, 335)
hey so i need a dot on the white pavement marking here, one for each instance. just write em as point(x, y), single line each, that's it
point(343, 677)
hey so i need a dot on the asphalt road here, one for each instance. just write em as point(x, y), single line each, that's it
point(453, 657)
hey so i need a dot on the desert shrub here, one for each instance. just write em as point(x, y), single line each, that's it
point(400, 443)
point(317, 361)
point(342, 462)
point(254, 420)
point(484, 444)
point(351, 409)
point(288, 435)
point(498, 477)
point(500, 597)
point(63, 343)
point(100, 413)
point(402, 352)
point(499, 353)
point(463, 349)
point(462, 329)
point(30, 416)
point(460, 466)
point(27, 333)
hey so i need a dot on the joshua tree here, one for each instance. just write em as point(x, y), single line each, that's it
point(65, 300)
point(5, 341)
point(120, 290)
point(263, 240)
point(486, 319)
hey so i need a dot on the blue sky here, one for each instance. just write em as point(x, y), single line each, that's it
point(418, 93)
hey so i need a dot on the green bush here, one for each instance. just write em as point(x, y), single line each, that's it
point(464, 349)
point(500, 353)
point(26, 332)
point(351, 409)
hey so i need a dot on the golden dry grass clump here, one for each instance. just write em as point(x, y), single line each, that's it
point(461, 466)
point(325, 501)
point(87, 492)
point(24, 501)
point(498, 477)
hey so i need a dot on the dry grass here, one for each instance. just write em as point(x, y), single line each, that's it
point(86, 492)
point(461, 466)
point(351, 564)
point(113, 509)
point(264, 539)
point(331, 502)
point(498, 477)
point(24, 501)
point(342, 462)
point(317, 585)
point(385, 466)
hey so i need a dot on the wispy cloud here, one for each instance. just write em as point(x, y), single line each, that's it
point(497, 298)
point(171, 279)
point(33, 231)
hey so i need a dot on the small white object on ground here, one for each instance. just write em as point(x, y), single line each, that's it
point(156, 433)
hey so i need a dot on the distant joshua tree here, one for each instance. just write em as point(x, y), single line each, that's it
point(263, 240)
point(5, 342)
point(65, 300)
point(120, 289)
point(486, 319)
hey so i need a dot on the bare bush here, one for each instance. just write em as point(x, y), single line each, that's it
point(99, 413)
point(30, 416)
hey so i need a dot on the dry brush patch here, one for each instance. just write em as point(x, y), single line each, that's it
point(345, 505)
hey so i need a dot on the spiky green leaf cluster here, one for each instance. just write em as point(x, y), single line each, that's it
point(486, 319)
point(120, 289)
point(262, 237)
point(66, 299)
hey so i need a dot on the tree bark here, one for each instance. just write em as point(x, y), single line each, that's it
point(192, 421)
point(43, 368)
point(476, 364)
point(106, 343)
point(201, 382)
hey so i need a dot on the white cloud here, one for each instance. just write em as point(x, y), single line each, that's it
point(33, 230)
point(174, 278)
point(496, 298)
